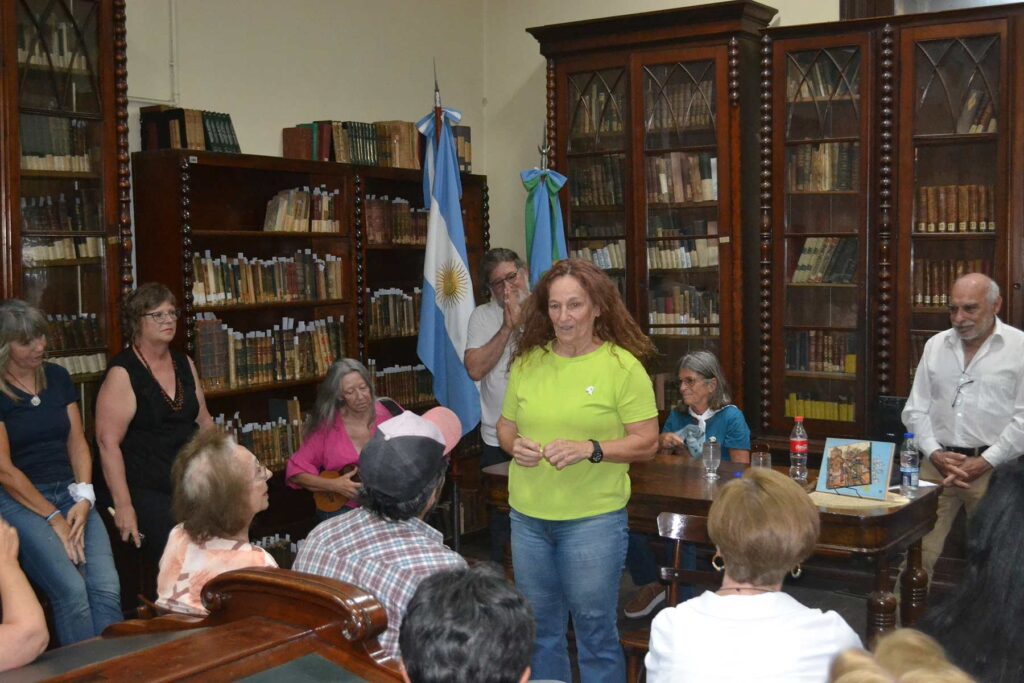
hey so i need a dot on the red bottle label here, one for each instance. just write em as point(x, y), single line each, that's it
point(798, 445)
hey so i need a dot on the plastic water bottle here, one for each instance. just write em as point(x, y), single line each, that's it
point(910, 466)
point(798, 451)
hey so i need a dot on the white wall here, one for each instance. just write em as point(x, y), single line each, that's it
point(273, 63)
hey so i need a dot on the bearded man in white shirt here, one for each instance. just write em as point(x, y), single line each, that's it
point(966, 408)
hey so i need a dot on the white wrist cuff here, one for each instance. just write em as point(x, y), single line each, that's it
point(80, 492)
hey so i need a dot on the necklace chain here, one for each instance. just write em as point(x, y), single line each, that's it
point(179, 394)
point(35, 400)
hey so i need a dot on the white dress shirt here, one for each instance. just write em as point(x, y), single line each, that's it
point(768, 638)
point(980, 405)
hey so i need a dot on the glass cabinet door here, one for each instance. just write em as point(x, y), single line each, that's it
point(596, 169)
point(820, 317)
point(955, 144)
point(60, 205)
point(683, 214)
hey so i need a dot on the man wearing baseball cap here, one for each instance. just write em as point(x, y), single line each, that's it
point(384, 546)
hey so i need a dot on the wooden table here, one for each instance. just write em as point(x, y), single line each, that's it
point(671, 483)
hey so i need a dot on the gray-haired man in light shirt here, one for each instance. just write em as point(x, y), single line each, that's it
point(488, 349)
point(966, 408)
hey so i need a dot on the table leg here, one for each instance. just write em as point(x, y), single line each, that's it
point(881, 602)
point(913, 588)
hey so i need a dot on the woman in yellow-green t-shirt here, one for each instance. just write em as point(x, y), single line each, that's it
point(579, 408)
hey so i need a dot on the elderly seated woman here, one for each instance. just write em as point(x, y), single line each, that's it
point(763, 526)
point(219, 487)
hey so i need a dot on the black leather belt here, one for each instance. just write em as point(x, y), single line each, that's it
point(973, 451)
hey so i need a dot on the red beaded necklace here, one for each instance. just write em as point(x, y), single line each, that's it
point(179, 393)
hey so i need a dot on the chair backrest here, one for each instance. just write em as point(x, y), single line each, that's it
point(681, 529)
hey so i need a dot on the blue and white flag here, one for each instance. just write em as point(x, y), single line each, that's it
point(447, 288)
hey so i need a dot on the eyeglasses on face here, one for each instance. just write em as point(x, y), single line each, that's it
point(690, 381)
point(161, 316)
point(506, 281)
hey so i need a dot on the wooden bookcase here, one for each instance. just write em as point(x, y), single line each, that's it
point(930, 103)
point(653, 119)
point(189, 202)
point(389, 274)
point(64, 183)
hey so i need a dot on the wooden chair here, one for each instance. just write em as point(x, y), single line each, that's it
point(679, 529)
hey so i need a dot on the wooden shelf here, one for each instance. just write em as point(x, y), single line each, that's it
point(664, 206)
point(830, 285)
point(257, 388)
point(63, 233)
point(954, 138)
point(800, 142)
point(270, 304)
point(808, 374)
point(80, 351)
point(62, 263)
point(597, 238)
point(88, 377)
point(659, 151)
point(987, 235)
point(269, 234)
point(395, 247)
point(58, 175)
point(610, 208)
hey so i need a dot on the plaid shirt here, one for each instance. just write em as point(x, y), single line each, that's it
point(387, 559)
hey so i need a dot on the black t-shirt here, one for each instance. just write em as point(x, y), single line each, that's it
point(38, 435)
point(157, 432)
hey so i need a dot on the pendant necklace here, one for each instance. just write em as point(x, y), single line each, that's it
point(35, 400)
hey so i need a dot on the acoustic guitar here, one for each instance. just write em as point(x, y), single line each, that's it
point(329, 501)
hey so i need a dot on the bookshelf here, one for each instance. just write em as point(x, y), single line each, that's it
point(65, 177)
point(390, 237)
point(653, 119)
point(266, 305)
point(954, 154)
point(915, 151)
point(821, 155)
point(202, 226)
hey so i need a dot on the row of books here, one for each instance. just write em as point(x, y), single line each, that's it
point(681, 255)
point(50, 44)
point(407, 384)
point(823, 167)
point(72, 331)
point(54, 143)
point(394, 313)
point(394, 221)
point(978, 113)
point(812, 407)
point(224, 281)
point(823, 81)
point(821, 351)
point(596, 181)
point(826, 259)
point(597, 111)
point(955, 208)
point(272, 441)
point(299, 210)
point(679, 105)
point(85, 364)
point(44, 213)
point(63, 249)
point(933, 279)
point(164, 127)
point(682, 177)
point(684, 305)
point(671, 224)
point(279, 546)
point(611, 255)
point(610, 227)
point(227, 358)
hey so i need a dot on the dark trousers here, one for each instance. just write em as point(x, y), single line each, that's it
point(500, 526)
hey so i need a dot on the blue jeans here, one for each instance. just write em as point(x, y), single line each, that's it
point(573, 567)
point(85, 599)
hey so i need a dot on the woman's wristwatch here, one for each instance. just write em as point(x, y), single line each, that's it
point(598, 454)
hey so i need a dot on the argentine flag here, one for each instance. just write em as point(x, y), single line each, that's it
point(447, 288)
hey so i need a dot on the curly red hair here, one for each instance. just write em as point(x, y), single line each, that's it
point(614, 324)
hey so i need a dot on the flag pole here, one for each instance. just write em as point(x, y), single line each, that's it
point(438, 111)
